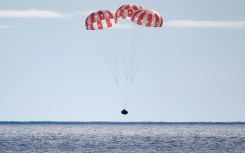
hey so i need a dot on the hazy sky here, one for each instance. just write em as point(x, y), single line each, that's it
point(51, 71)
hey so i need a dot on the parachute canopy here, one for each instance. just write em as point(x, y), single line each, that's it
point(100, 20)
point(127, 10)
point(148, 18)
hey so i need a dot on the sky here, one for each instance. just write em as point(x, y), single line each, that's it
point(50, 68)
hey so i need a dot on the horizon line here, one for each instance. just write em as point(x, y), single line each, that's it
point(119, 122)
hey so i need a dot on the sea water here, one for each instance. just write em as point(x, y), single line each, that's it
point(122, 137)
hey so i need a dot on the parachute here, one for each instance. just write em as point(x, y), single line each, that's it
point(147, 18)
point(100, 20)
point(123, 39)
point(127, 10)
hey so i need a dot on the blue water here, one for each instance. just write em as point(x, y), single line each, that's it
point(122, 137)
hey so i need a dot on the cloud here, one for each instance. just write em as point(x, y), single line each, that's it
point(4, 27)
point(44, 14)
point(205, 24)
point(81, 14)
point(86, 13)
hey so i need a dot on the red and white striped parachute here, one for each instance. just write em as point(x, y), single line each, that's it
point(100, 20)
point(148, 18)
point(127, 10)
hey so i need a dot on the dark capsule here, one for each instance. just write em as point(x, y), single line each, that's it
point(124, 112)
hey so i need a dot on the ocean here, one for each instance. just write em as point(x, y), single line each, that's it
point(113, 137)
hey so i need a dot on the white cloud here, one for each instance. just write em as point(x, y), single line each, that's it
point(86, 13)
point(4, 27)
point(44, 14)
point(205, 24)
point(81, 14)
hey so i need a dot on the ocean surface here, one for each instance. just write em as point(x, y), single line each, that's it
point(100, 137)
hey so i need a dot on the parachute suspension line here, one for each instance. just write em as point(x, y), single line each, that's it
point(115, 74)
point(135, 51)
point(132, 53)
point(118, 80)
point(100, 49)
point(131, 61)
point(146, 51)
point(129, 86)
point(117, 63)
point(130, 57)
point(131, 49)
point(120, 94)
point(120, 86)
point(125, 50)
